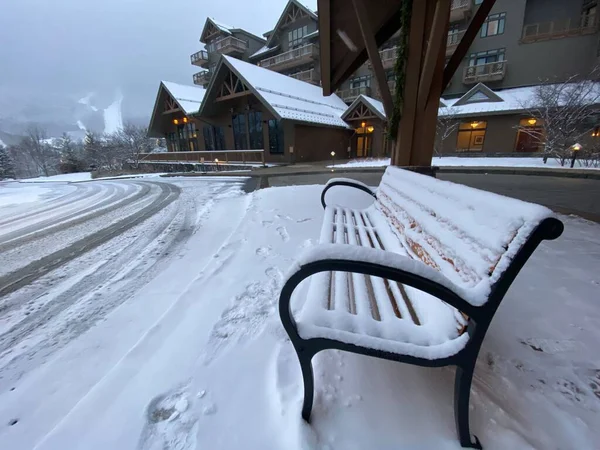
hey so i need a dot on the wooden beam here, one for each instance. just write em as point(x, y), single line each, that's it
point(437, 40)
point(234, 95)
point(404, 140)
point(369, 39)
point(170, 111)
point(466, 41)
point(325, 36)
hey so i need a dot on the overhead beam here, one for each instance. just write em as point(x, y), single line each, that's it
point(374, 56)
point(466, 41)
point(234, 95)
point(325, 35)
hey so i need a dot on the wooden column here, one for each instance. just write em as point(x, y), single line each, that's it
point(426, 77)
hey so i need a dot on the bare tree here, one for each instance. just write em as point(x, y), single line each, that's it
point(447, 123)
point(565, 113)
point(132, 141)
point(37, 148)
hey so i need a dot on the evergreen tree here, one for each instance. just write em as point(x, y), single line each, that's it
point(70, 161)
point(7, 168)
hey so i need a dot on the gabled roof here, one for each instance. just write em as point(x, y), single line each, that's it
point(479, 93)
point(280, 21)
point(187, 98)
point(285, 97)
point(217, 25)
point(373, 105)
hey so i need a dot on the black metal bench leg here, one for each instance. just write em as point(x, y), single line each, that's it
point(462, 393)
point(309, 382)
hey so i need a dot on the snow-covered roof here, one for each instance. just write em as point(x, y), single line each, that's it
point(221, 26)
point(188, 97)
point(263, 49)
point(374, 105)
point(290, 98)
point(511, 101)
point(284, 13)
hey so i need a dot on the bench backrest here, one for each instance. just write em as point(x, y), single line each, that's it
point(469, 235)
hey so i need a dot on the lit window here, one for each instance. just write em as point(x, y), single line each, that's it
point(471, 136)
point(493, 25)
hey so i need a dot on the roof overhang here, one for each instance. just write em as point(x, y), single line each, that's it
point(341, 44)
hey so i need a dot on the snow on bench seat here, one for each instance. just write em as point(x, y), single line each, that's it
point(462, 237)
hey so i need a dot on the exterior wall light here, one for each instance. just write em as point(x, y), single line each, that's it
point(185, 120)
point(370, 129)
point(176, 121)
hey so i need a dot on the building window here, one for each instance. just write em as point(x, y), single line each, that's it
point(209, 142)
point(491, 56)
point(296, 37)
point(471, 136)
point(255, 129)
point(172, 142)
point(275, 137)
point(364, 140)
point(219, 136)
point(240, 134)
point(493, 25)
point(359, 82)
point(530, 137)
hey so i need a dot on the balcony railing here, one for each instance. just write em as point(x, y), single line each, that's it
point(460, 9)
point(349, 95)
point(230, 45)
point(452, 42)
point(199, 58)
point(493, 71)
point(388, 57)
point(557, 29)
point(309, 76)
point(291, 58)
point(203, 77)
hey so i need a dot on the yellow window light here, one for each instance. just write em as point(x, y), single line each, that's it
point(532, 121)
point(370, 129)
point(474, 124)
point(363, 124)
point(185, 120)
point(176, 121)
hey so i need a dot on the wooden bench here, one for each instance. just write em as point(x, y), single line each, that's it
point(415, 278)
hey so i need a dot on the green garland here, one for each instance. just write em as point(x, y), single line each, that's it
point(400, 68)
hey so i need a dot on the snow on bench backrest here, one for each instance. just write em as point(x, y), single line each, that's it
point(467, 234)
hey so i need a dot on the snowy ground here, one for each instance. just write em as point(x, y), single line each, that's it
point(454, 161)
point(167, 335)
point(71, 177)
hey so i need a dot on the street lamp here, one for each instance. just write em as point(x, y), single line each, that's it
point(574, 149)
point(333, 158)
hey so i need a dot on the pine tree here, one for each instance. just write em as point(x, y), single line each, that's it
point(7, 168)
point(69, 160)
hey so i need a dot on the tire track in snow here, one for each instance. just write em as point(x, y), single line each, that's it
point(77, 307)
point(42, 229)
point(14, 281)
point(82, 192)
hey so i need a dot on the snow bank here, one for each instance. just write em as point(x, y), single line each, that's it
point(113, 119)
point(71, 177)
point(455, 161)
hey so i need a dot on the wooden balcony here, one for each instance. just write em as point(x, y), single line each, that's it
point(388, 58)
point(309, 76)
point(558, 29)
point(452, 42)
point(460, 10)
point(292, 58)
point(203, 77)
point(230, 45)
point(199, 58)
point(349, 95)
point(494, 71)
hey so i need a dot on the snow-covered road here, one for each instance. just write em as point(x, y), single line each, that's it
point(166, 335)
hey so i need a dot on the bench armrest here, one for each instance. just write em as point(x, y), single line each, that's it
point(345, 182)
point(374, 262)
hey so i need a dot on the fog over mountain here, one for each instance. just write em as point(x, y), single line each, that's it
point(53, 54)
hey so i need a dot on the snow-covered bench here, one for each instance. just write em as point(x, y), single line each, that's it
point(416, 277)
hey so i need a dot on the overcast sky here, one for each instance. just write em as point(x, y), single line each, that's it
point(72, 47)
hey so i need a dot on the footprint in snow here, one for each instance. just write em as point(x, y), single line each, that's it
point(263, 251)
point(169, 423)
point(283, 233)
